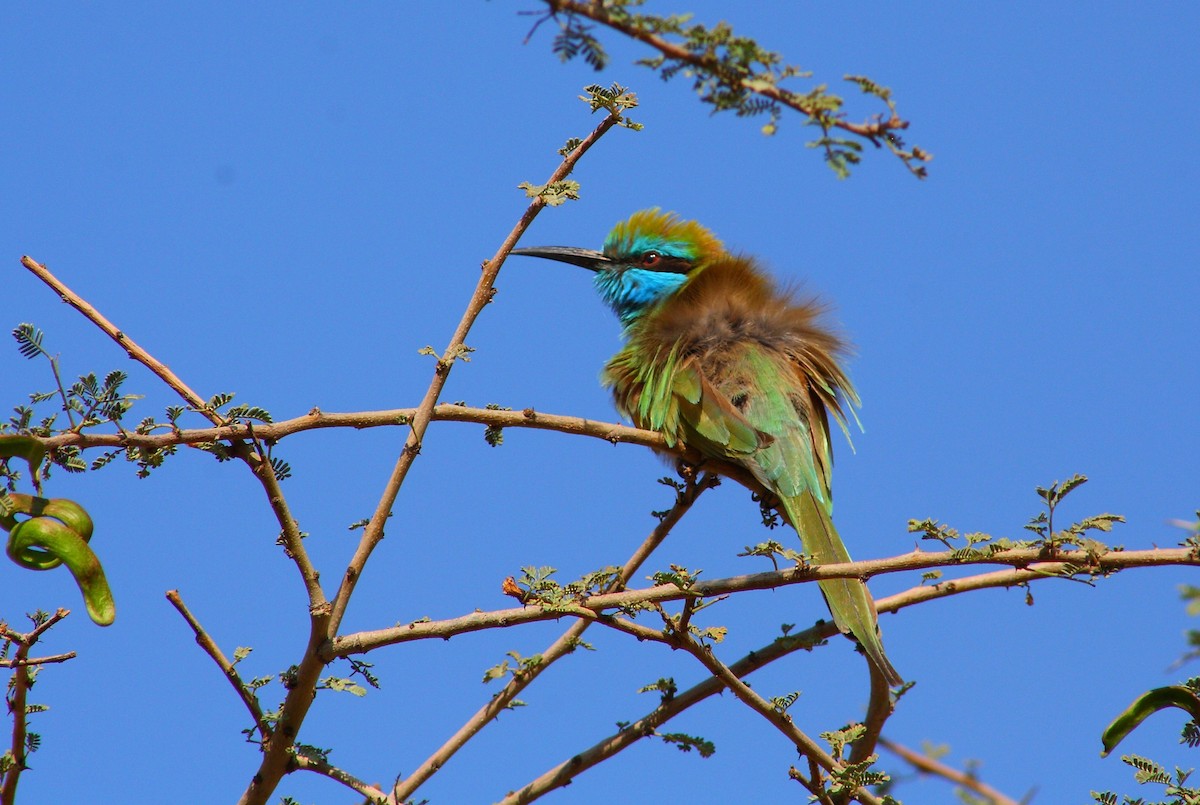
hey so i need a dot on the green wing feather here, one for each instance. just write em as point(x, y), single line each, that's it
point(674, 398)
point(778, 430)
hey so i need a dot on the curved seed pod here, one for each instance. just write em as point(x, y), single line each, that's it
point(68, 511)
point(53, 538)
point(27, 447)
point(1144, 706)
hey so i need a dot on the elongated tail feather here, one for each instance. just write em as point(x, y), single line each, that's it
point(849, 600)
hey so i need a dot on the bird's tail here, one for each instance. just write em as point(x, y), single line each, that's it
point(849, 600)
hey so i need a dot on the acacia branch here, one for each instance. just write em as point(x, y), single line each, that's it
point(317, 419)
point(876, 131)
point(17, 698)
point(579, 762)
point(419, 423)
point(131, 347)
point(326, 769)
point(924, 763)
point(53, 658)
point(205, 641)
point(676, 635)
point(566, 643)
point(1030, 560)
point(257, 462)
point(275, 759)
point(300, 696)
point(326, 616)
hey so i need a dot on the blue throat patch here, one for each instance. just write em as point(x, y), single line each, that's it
point(630, 292)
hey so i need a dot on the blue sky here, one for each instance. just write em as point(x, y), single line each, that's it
point(287, 202)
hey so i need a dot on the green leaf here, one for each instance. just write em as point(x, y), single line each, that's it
point(686, 743)
point(342, 685)
point(782, 703)
point(29, 340)
point(218, 401)
point(282, 469)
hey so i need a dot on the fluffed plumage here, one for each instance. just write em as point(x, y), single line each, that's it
point(719, 359)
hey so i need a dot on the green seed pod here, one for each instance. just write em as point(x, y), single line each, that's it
point(1146, 705)
point(31, 541)
point(72, 515)
point(27, 447)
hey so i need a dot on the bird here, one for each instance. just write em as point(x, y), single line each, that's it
point(719, 359)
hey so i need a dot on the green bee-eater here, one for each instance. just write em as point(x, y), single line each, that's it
point(718, 358)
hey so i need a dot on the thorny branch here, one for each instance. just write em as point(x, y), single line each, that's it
point(317, 419)
point(205, 641)
point(325, 615)
point(677, 636)
point(928, 765)
point(17, 699)
point(423, 415)
point(565, 644)
point(1029, 562)
point(300, 696)
point(578, 762)
point(879, 131)
point(239, 448)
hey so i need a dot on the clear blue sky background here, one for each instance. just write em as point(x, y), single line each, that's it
point(289, 201)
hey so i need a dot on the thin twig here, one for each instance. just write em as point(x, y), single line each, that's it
point(326, 769)
point(804, 744)
point(205, 641)
point(419, 423)
point(128, 344)
point(565, 644)
point(17, 700)
point(252, 458)
point(70, 655)
point(924, 763)
point(875, 131)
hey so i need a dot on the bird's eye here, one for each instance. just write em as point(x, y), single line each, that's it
point(651, 259)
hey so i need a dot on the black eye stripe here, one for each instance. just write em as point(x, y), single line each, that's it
point(665, 264)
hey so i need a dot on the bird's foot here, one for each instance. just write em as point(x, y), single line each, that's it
point(687, 470)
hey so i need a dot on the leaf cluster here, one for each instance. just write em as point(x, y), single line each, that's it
point(494, 434)
point(678, 575)
point(90, 402)
point(774, 550)
point(686, 743)
point(1175, 786)
point(733, 73)
point(539, 586)
point(850, 777)
point(519, 665)
point(977, 545)
point(555, 193)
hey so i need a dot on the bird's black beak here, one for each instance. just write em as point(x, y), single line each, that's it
point(584, 258)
